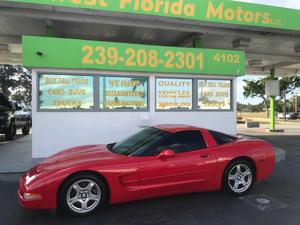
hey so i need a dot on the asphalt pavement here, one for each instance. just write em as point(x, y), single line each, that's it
point(275, 201)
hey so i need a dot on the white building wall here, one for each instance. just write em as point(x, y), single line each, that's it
point(55, 131)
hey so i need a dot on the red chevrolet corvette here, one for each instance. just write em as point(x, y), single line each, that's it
point(157, 161)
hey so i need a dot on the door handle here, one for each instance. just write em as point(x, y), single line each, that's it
point(204, 156)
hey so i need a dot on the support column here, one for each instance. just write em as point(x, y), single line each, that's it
point(50, 31)
point(197, 43)
point(272, 104)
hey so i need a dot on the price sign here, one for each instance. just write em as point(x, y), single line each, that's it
point(174, 94)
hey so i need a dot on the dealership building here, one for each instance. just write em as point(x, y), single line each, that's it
point(105, 69)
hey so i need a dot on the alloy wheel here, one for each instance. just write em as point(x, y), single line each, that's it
point(240, 178)
point(83, 196)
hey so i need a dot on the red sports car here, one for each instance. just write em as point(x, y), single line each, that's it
point(157, 161)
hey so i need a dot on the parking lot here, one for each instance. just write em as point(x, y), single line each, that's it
point(82, 73)
point(275, 201)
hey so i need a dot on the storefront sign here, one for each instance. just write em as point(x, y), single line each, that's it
point(81, 54)
point(123, 93)
point(221, 11)
point(174, 94)
point(214, 94)
point(65, 92)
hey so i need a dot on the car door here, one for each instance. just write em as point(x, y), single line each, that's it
point(190, 169)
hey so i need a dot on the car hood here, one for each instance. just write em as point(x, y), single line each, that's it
point(77, 155)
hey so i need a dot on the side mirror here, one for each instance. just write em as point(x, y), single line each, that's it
point(165, 154)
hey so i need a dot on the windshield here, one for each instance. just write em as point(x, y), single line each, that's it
point(143, 140)
point(4, 104)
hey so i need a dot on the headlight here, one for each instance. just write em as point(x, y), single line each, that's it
point(32, 197)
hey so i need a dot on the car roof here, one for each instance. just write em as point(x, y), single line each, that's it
point(172, 128)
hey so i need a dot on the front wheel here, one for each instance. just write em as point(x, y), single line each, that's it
point(82, 195)
point(239, 177)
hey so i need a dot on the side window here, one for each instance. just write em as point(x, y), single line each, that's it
point(18, 107)
point(221, 138)
point(185, 141)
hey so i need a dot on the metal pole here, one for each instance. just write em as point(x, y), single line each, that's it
point(50, 31)
point(197, 43)
point(272, 103)
point(284, 107)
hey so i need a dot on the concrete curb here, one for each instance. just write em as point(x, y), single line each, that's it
point(10, 177)
point(280, 155)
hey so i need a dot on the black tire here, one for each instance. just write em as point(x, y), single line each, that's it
point(11, 132)
point(26, 129)
point(62, 202)
point(228, 183)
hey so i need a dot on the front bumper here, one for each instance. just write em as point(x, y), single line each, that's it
point(29, 204)
point(40, 192)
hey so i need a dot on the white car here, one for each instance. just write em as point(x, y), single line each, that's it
point(289, 116)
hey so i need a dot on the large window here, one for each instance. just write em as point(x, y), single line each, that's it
point(70, 92)
point(123, 93)
point(193, 94)
point(65, 92)
point(174, 94)
point(214, 95)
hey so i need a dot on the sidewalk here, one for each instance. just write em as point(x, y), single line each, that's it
point(289, 129)
point(15, 156)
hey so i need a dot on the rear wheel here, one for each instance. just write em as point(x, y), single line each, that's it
point(82, 195)
point(11, 132)
point(26, 129)
point(239, 177)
